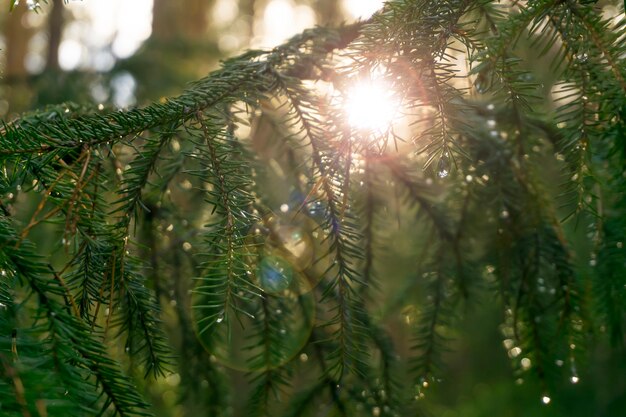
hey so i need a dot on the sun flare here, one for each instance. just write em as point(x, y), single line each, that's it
point(370, 106)
point(362, 9)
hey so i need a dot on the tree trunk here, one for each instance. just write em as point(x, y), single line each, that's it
point(17, 37)
point(247, 8)
point(180, 20)
point(194, 17)
point(163, 19)
point(329, 12)
point(55, 31)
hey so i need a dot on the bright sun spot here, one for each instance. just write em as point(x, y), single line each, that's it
point(281, 20)
point(102, 31)
point(362, 9)
point(370, 106)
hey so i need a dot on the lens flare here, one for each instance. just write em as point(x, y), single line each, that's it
point(370, 106)
point(362, 9)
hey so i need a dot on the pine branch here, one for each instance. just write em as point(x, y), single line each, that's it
point(90, 178)
point(338, 226)
point(68, 330)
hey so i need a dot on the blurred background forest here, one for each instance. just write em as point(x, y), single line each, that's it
point(97, 51)
point(125, 53)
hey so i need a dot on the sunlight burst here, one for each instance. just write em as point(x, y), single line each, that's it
point(370, 106)
point(362, 9)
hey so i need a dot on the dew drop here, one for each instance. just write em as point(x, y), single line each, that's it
point(574, 379)
point(284, 208)
point(442, 169)
point(546, 400)
point(515, 352)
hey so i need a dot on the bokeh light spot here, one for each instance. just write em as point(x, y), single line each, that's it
point(275, 274)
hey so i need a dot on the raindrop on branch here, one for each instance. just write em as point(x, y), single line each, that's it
point(582, 57)
point(443, 169)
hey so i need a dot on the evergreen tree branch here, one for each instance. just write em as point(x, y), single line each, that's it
point(66, 329)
